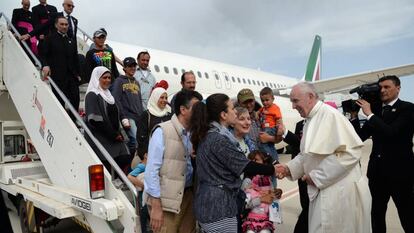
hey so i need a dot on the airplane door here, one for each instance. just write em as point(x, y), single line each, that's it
point(217, 80)
point(227, 82)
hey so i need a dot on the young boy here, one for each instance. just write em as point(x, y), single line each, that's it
point(136, 176)
point(270, 117)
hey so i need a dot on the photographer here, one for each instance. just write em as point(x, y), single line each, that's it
point(392, 159)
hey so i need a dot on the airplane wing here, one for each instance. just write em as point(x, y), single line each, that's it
point(345, 83)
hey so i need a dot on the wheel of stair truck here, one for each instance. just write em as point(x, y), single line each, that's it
point(27, 217)
point(33, 219)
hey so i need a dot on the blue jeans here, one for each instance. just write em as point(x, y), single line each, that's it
point(132, 134)
point(269, 147)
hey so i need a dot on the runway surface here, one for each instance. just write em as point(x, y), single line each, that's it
point(290, 207)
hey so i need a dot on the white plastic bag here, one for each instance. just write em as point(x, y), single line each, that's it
point(275, 213)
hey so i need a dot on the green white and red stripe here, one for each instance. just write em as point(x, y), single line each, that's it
point(313, 69)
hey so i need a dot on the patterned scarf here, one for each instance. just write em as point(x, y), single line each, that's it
point(216, 127)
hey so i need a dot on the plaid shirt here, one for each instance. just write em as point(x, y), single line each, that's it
point(254, 129)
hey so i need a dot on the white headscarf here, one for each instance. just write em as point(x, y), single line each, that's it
point(153, 100)
point(96, 88)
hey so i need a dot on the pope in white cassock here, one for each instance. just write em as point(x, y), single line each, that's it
point(330, 150)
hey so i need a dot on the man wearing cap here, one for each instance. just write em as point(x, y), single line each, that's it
point(101, 55)
point(93, 46)
point(245, 98)
point(144, 77)
point(126, 92)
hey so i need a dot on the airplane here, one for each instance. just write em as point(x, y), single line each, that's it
point(216, 77)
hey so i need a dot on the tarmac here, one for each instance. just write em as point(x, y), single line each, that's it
point(290, 206)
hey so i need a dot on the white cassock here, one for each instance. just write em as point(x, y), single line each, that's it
point(330, 151)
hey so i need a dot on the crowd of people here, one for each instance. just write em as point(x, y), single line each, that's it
point(212, 161)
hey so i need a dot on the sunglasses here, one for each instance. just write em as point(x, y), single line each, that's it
point(70, 5)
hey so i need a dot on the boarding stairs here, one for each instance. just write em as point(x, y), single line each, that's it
point(58, 183)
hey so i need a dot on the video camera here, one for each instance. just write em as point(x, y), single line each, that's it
point(369, 92)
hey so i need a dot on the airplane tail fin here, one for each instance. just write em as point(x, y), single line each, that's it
point(313, 69)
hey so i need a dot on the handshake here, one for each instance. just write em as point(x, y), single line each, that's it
point(281, 170)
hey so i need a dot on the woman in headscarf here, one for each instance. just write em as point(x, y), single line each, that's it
point(102, 118)
point(158, 111)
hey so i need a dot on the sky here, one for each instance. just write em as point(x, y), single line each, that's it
point(271, 35)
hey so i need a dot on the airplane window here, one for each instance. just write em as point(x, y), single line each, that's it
point(217, 77)
point(248, 80)
point(267, 84)
point(182, 71)
point(156, 68)
point(263, 83)
point(244, 81)
point(175, 71)
point(238, 80)
point(199, 74)
point(278, 85)
point(254, 82)
point(227, 78)
point(206, 75)
point(233, 79)
point(166, 70)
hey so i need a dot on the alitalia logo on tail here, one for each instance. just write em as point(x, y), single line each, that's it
point(313, 69)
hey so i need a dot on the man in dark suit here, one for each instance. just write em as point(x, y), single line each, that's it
point(41, 15)
point(22, 20)
point(72, 21)
point(391, 164)
point(60, 61)
point(49, 25)
point(293, 139)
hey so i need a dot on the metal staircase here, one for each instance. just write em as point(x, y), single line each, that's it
point(63, 151)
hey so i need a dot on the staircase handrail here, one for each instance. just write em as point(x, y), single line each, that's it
point(100, 147)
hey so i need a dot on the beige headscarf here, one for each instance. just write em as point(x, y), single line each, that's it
point(153, 100)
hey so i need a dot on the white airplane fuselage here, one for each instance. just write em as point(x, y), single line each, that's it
point(212, 77)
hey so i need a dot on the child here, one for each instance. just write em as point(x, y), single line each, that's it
point(260, 195)
point(136, 176)
point(270, 117)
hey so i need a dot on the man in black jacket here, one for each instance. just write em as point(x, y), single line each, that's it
point(392, 160)
point(41, 15)
point(49, 25)
point(60, 61)
point(293, 139)
point(22, 20)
